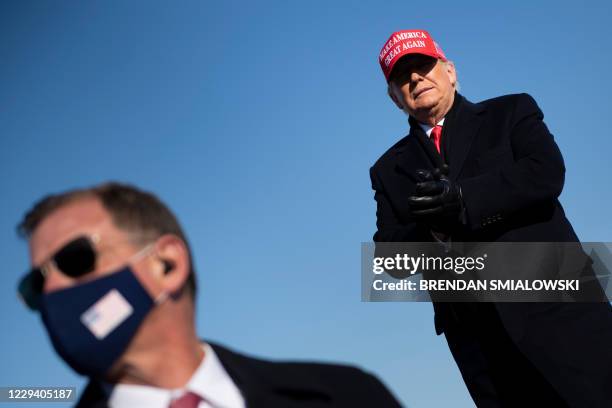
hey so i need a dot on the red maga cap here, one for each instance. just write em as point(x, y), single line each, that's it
point(407, 42)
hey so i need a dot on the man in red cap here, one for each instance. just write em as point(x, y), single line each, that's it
point(488, 172)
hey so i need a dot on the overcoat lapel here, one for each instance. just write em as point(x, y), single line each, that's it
point(462, 134)
point(413, 154)
point(417, 151)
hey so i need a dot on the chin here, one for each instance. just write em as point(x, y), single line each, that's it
point(425, 105)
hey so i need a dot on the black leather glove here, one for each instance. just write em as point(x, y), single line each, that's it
point(437, 200)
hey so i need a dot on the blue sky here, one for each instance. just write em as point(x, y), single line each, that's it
point(257, 123)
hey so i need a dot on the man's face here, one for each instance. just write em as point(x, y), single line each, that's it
point(423, 86)
point(114, 249)
point(85, 217)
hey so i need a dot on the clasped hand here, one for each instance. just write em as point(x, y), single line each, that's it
point(437, 200)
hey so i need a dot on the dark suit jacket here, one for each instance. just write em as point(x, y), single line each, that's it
point(511, 172)
point(509, 168)
point(506, 161)
point(266, 384)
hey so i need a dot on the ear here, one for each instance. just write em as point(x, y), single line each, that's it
point(392, 92)
point(173, 263)
point(452, 74)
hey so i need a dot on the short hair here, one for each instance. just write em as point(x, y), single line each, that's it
point(132, 210)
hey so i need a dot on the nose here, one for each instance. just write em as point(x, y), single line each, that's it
point(415, 77)
point(55, 280)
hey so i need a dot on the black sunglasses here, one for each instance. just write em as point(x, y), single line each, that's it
point(75, 259)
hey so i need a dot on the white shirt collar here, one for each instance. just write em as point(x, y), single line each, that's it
point(210, 381)
point(427, 128)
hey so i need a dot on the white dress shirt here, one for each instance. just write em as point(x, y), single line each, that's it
point(210, 381)
point(428, 128)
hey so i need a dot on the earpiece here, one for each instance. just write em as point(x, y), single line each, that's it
point(168, 266)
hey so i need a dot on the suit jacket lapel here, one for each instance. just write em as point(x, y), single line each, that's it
point(266, 387)
point(94, 396)
point(463, 131)
point(261, 383)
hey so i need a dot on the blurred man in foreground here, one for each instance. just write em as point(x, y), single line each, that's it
point(114, 282)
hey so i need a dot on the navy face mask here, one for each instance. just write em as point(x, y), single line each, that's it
point(91, 324)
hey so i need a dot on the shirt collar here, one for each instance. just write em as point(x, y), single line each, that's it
point(213, 383)
point(427, 128)
point(210, 381)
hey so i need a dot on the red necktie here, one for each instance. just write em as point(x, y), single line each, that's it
point(188, 400)
point(436, 136)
